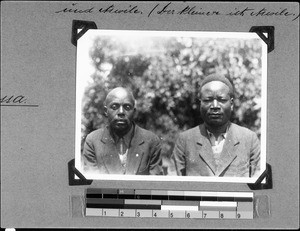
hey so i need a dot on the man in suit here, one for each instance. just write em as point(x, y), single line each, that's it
point(122, 147)
point(217, 147)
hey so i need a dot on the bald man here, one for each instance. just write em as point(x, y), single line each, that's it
point(122, 147)
point(217, 147)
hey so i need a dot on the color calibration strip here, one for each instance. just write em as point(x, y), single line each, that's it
point(168, 204)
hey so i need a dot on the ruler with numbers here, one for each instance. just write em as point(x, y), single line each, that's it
point(168, 204)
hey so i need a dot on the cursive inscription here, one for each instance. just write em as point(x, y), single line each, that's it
point(172, 9)
point(263, 12)
point(15, 100)
point(112, 9)
point(194, 11)
point(74, 9)
point(188, 10)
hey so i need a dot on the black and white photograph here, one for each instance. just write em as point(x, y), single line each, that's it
point(171, 106)
point(149, 115)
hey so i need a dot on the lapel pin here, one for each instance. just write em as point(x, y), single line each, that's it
point(137, 155)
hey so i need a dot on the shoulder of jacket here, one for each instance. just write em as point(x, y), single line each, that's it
point(190, 131)
point(242, 130)
point(95, 134)
point(146, 133)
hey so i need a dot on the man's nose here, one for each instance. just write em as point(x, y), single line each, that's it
point(215, 103)
point(121, 110)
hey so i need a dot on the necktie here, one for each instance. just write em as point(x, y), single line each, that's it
point(123, 154)
point(122, 146)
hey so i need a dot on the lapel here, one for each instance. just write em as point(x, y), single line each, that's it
point(110, 157)
point(206, 153)
point(136, 152)
point(229, 153)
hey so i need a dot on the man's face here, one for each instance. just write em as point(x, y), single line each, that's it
point(119, 110)
point(215, 103)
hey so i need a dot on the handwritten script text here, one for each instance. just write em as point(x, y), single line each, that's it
point(179, 10)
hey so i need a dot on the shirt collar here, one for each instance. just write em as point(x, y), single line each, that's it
point(126, 137)
point(223, 135)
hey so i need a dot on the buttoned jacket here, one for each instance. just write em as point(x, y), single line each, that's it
point(100, 155)
point(240, 156)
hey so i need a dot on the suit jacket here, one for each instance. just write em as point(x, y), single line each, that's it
point(240, 156)
point(144, 157)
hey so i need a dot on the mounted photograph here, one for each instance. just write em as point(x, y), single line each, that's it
point(171, 106)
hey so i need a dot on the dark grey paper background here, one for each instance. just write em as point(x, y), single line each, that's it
point(38, 61)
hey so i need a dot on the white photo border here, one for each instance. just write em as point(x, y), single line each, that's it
point(83, 70)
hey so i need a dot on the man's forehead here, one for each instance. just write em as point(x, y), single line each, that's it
point(119, 95)
point(118, 98)
point(215, 86)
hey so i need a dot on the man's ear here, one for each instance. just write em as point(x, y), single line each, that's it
point(105, 111)
point(231, 101)
point(198, 101)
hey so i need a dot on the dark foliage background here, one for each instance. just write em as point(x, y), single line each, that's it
point(164, 75)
